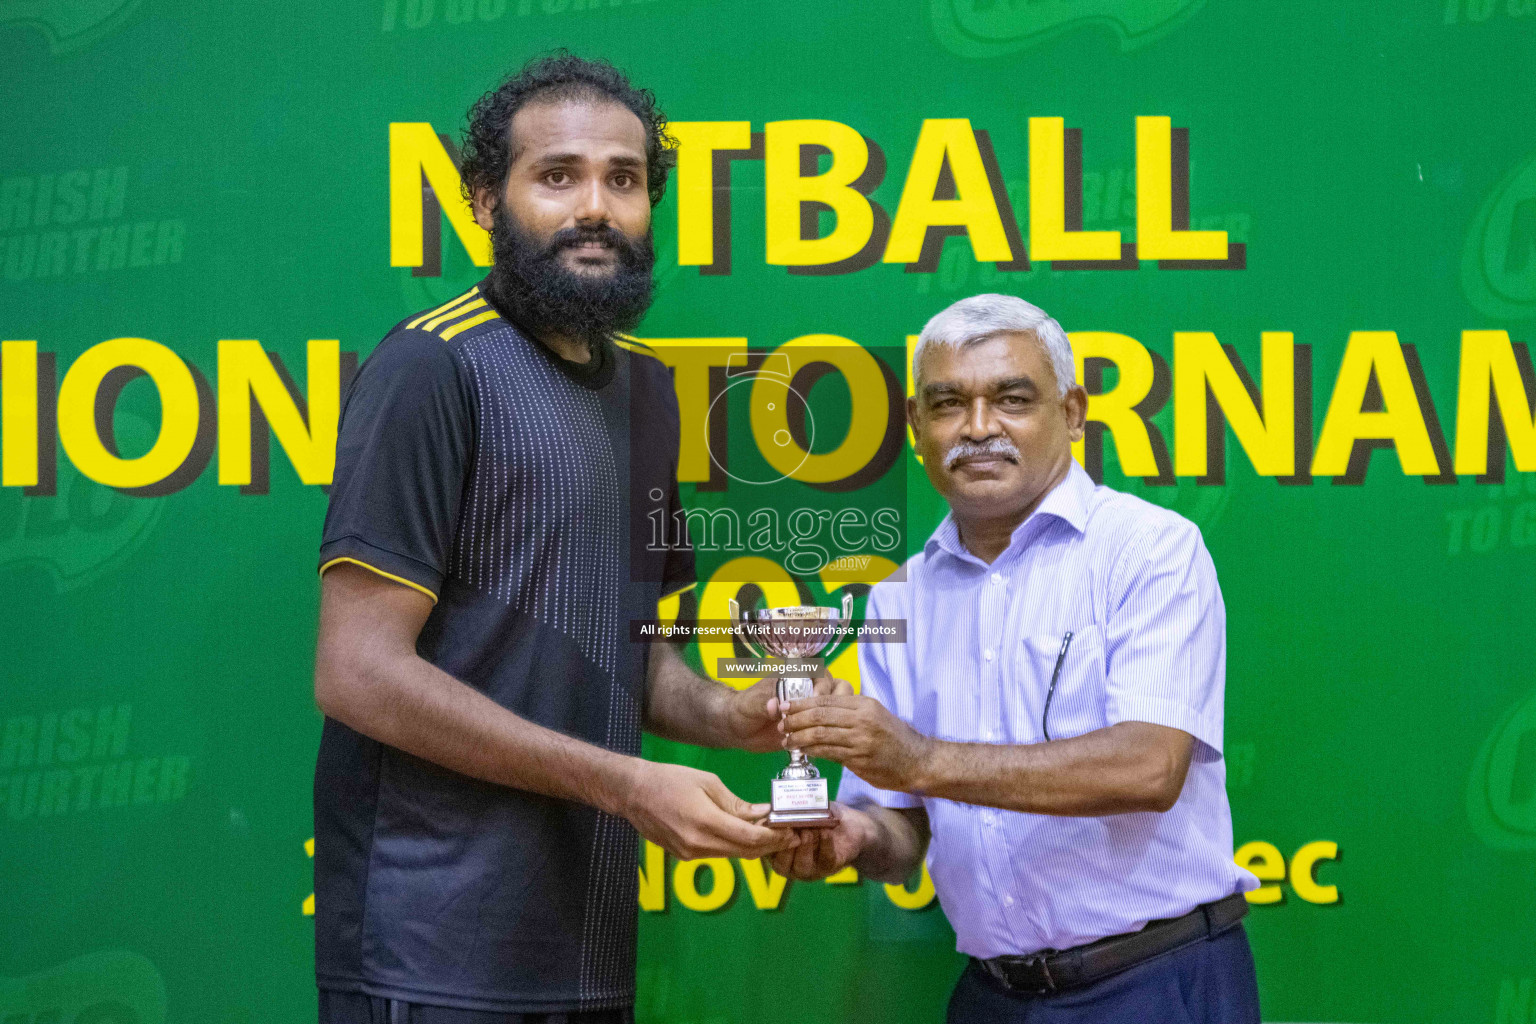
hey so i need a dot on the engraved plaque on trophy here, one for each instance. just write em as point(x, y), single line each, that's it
point(799, 797)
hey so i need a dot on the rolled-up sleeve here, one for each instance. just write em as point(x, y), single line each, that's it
point(876, 680)
point(1166, 635)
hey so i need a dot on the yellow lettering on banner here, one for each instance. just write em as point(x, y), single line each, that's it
point(1267, 864)
point(1049, 238)
point(948, 140)
point(786, 190)
point(1117, 409)
point(1155, 237)
point(912, 899)
point(778, 589)
point(246, 373)
point(1401, 421)
point(653, 879)
point(765, 885)
point(691, 360)
point(868, 418)
point(722, 887)
point(848, 875)
point(416, 153)
point(697, 142)
point(178, 412)
point(1488, 370)
point(18, 414)
point(1200, 363)
point(1304, 871)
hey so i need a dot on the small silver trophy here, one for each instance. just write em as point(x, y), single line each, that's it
point(803, 631)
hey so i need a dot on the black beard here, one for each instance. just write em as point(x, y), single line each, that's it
point(545, 297)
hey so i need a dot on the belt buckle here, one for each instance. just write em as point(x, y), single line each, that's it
point(1041, 960)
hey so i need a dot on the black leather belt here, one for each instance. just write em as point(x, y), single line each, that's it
point(1052, 970)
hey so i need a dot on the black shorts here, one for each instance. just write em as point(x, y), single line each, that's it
point(356, 1008)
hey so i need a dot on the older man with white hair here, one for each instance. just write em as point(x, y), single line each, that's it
point(1054, 720)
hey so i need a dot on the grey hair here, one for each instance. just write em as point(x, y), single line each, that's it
point(980, 317)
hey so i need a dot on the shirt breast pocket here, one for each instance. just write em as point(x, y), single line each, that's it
point(1078, 703)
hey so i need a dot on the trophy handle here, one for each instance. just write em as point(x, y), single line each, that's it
point(739, 625)
point(847, 618)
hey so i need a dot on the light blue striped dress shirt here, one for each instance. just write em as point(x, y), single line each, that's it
point(1135, 585)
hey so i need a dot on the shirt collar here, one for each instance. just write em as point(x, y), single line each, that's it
point(1068, 501)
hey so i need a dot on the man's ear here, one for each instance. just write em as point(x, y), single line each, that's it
point(915, 421)
point(484, 206)
point(1075, 404)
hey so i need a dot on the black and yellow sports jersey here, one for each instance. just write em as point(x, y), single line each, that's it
point(479, 468)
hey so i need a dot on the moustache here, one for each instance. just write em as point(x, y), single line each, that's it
point(602, 234)
point(998, 446)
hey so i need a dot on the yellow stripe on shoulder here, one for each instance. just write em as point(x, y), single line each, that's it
point(438, 321)
point(375, 569)
point(635, 345)
point(445, 307)
point(448, 333)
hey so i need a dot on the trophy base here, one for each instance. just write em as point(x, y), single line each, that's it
point(800, 803)
point(800, 819)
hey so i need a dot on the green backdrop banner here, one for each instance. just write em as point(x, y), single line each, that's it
point(1295, 245)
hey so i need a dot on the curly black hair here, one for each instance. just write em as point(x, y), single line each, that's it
point(486, 147)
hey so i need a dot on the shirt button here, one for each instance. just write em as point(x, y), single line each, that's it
point(997, 578)
point(1008, 900)
point(988, 654)
point(989, 818)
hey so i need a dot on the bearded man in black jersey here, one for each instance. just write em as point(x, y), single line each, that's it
point(479, 786)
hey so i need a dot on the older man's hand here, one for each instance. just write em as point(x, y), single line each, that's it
point(859, 733)
point(826, 851)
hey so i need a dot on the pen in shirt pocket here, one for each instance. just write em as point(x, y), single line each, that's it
point(1066, 642)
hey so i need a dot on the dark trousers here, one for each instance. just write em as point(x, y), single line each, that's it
point(356, 1008)
point(1210, 981)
